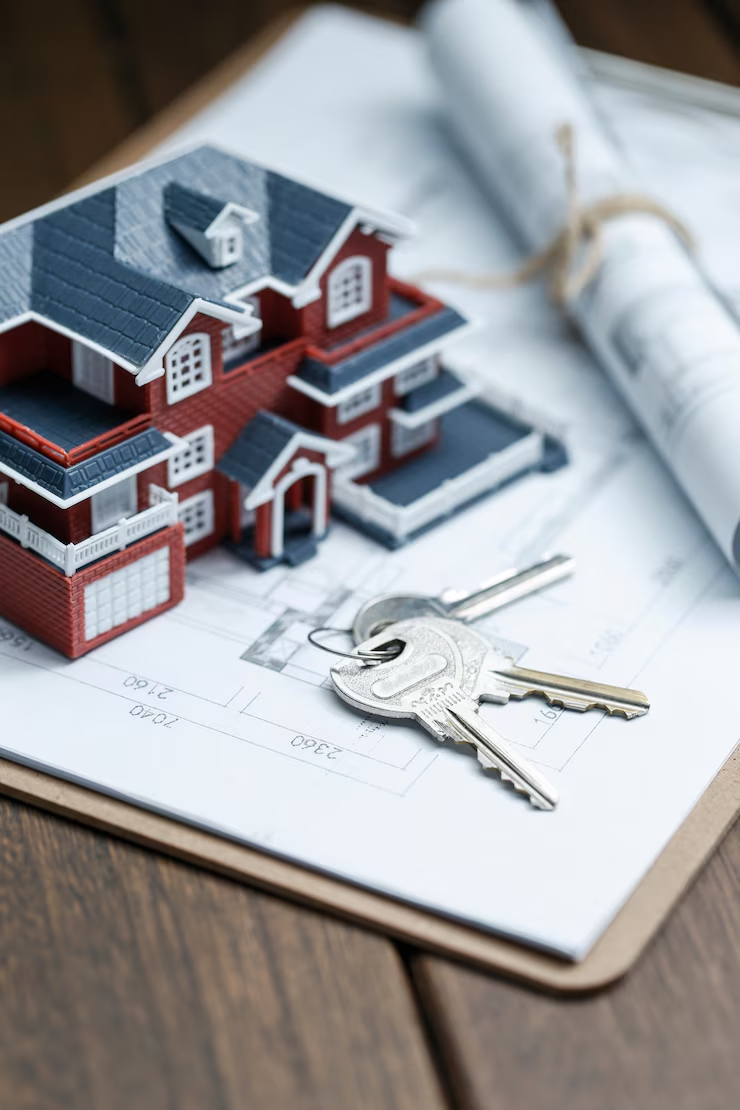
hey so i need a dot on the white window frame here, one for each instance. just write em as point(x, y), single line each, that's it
point(341, 308)
point(4, 492)
point(413, 376)
point(115, 503)
point(181, 381)
point(370, 438)
point(195, 459)
point(200, 501)
point(405, 440)
point(364, 400)
point(92, 372)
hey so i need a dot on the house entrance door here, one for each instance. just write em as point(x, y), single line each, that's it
point(312, 479)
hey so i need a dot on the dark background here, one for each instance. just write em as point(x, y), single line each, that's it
point(129, 981)
point(78, 76)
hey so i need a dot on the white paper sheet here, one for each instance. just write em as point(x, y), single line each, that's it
point(219, 711)
point(669, 344)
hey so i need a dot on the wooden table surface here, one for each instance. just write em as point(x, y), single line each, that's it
point(128, 980)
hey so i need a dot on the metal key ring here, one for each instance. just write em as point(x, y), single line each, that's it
point(366, 656)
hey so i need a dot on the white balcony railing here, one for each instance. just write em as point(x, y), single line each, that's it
point(402, 521)
point(70, 557)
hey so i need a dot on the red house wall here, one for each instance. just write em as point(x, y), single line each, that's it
point(222, 494)
point(234, 398)
point(313, 322)
point(50, 606)
point(126, 393)
point(67, 525)
point(32, 347)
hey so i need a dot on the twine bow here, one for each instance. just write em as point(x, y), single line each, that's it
point(573, 257)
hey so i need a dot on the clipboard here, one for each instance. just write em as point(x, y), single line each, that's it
point(620, 945)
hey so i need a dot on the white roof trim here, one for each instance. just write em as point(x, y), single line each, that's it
point(335, 452)
point(176, 444)
point(208, 308)
point(437, 408)
point(396, 227)
point(331, 400)
point(242, 317)
point(267, 281)
point(246, 215)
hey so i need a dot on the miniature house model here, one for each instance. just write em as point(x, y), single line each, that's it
point(203, 350)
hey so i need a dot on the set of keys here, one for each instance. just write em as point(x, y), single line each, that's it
point(417, 659)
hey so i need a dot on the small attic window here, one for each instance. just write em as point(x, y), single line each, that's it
point(213, 227)
point(226, 242)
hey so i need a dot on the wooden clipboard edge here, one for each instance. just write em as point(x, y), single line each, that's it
point(631, 930)
point(611, 957)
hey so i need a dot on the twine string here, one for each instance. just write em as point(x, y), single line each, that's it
point(574, 255)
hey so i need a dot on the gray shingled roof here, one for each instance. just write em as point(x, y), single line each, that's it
point(112, 270)
point(54, 408)
point(67, 482)
point(191, 208)
point(331, 378)
point(256, 448)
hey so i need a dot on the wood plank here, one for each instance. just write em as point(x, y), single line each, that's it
point(61, 106)
point(666, 1037)
point(679, 34)
point(170, 49)
point(129, 980)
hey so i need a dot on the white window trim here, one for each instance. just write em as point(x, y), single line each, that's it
point(206, 499)
point(411, 377)
point(355, 407)
point(102, 517)
point(175, 478)
point(341, 313)
point(357, 467)
point(405, 440)
point(179, 392)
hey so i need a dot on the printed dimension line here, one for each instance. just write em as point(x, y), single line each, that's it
point(304, 749)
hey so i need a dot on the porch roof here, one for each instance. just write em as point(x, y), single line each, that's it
point(66, 485)
point(265, 447)
point(330, 378)
point(257, 447)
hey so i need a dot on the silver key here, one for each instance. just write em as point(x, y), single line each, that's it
point(423, 683)
point(491, 676)
point(510, 585)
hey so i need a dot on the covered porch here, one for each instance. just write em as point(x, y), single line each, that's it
point(480, 448)
point(280, 490)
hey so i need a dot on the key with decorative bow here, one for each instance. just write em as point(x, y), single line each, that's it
point(424, 683)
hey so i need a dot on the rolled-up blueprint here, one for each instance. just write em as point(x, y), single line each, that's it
point(669, 343)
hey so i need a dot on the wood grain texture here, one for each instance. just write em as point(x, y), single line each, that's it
point(679, 34)
point(128, 980)
point(665, 1038)
point(60, 104)
point(77, 78)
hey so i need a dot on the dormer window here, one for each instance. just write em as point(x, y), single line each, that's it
point(226, 241)
point(213, 227)
point(349, 292)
